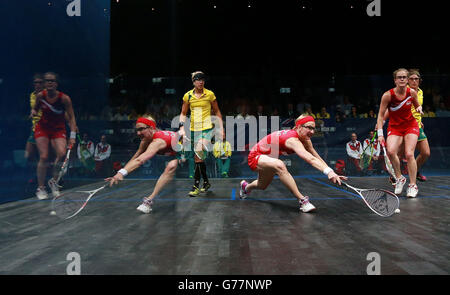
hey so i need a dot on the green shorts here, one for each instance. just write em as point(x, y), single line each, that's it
point(31, 138)
point(422, 135)
point(203, 134)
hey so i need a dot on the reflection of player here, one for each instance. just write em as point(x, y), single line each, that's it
point(263, 158)
point(201, 102)
point(403, 128)
point(153, 141)
point(51, 129)
point(38, 83)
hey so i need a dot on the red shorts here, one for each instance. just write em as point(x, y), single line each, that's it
point(253, 158)
point(50, 134)
point(402, 131)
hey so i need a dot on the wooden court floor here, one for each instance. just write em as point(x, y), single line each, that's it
point(219, 234)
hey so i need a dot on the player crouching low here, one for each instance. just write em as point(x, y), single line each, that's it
point(153, 141)
point(263, 158)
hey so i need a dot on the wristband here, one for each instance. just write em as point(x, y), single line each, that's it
point(123, 172)
point(181, 124)
point(73, 135)
point(327, 170)
point(380, 132)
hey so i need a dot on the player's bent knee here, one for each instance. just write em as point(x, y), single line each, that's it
point(171, 167)
point(280, 167)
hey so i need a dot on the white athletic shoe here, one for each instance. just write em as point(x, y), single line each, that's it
point(399, 185)
point(146, 206)
point(306, 206)
point(412, 191)
point(242, 193)
point(41, 194)
point(54, 187)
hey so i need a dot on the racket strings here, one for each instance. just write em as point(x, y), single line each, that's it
point(69, 203)
point(381, 201)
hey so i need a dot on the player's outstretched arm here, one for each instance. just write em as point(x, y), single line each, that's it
point(319, 164)
point(136, 162)
point(310, 148)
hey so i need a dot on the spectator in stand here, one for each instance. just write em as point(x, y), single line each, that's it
point(167, 112)
point(437, 98)
point(260, 111)
point(120, 115)
point(102, 156)
point(429, 112)
point(106, 113)
point(442, 111)
point(222, 153)
point(302, 106)
point(133, 116)
point(346, 107)
point(275, 111)
point(339, 114)
point(323, 114)
point(371, 114)
point(354, 152)
point(242, 111)
point(291, 112)
point(289, 116)
point(353, 113)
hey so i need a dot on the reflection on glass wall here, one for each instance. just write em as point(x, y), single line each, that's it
point(68, 51)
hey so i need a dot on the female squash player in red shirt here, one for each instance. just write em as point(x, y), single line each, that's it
point(263, 158)
point(153, 141)
point(56, 108)
point(402, 127)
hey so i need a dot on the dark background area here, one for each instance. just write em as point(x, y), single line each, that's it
point(175, 37)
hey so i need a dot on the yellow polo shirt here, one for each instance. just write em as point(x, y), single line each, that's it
point(200, 109)
point(222, 148)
